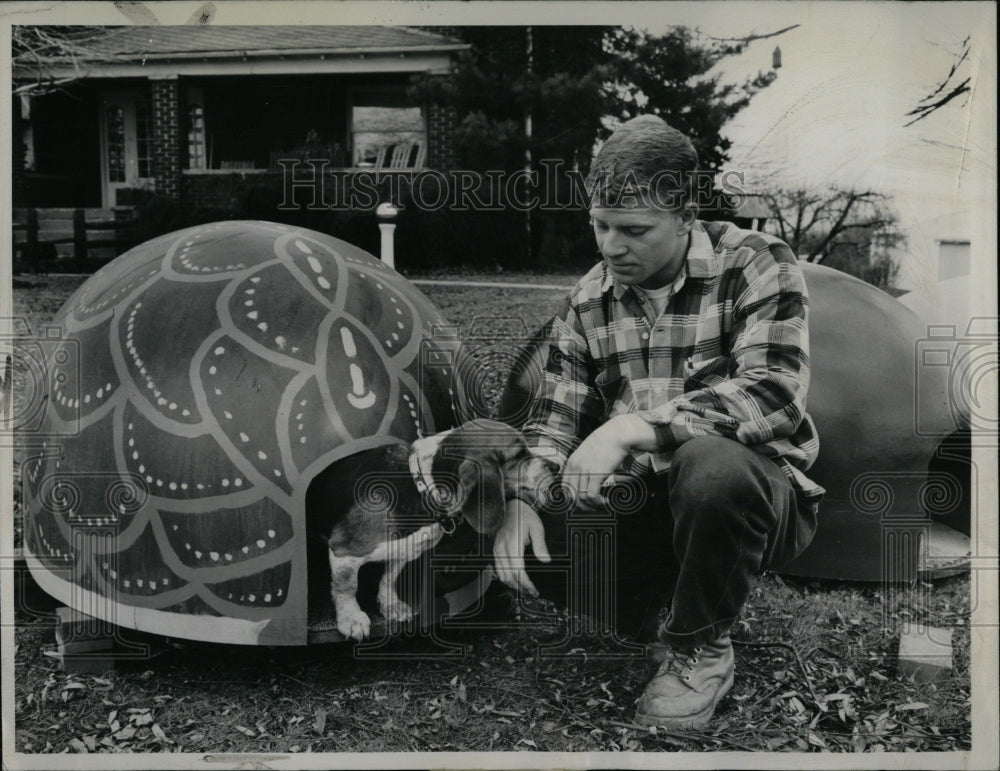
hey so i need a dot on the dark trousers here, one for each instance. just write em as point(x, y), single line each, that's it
point(695, 537)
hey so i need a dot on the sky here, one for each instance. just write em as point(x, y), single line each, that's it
point(836, 114)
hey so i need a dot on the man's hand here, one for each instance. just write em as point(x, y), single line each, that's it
point(520, 527)
point(601, 453)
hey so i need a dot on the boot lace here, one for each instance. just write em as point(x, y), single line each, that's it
point(680, 662)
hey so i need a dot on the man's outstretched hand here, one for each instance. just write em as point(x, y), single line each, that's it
point(521, 526)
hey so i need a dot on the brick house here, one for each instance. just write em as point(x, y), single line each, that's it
point(198, 114)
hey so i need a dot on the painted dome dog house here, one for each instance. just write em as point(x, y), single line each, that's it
point(201, 381)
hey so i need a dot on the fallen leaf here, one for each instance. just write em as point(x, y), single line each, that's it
point(911, 705)
point(78, 746)
point(159, 733)
point(245, 731)
point(319, 724)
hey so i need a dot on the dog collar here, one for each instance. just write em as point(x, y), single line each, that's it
point(427, 489)
point(421, 477)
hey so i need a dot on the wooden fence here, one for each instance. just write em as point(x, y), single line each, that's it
point(77, 239)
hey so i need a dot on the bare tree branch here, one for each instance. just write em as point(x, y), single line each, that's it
point(923, 112)
point(750, 38)
point(930, 103)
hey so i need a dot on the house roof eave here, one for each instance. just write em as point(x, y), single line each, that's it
point(355, 62)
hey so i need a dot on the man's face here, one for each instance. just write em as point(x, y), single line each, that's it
point(643, 246)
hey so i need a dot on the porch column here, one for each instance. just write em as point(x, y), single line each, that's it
point(440, 137)
point(166, 138)
point(17, 154)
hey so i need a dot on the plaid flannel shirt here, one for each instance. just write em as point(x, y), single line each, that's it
point(730, 353)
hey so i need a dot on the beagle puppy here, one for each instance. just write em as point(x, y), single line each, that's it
point(391, 504)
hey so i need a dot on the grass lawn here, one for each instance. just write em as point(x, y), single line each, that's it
point(816, 667)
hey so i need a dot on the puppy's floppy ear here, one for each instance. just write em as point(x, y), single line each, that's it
point(483, 502)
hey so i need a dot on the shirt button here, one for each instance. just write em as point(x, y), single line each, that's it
point(645, 335)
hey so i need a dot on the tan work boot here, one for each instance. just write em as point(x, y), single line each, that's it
point(687, 686)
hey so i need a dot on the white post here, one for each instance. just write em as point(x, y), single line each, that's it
point(387, 229)
point(386, 213)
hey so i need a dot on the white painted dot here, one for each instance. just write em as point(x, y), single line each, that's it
point(252, 315)
point(86, 399)
point(212, 370)
point(149, 479)
point(252, 598)
point(152, 585)
point(172, 406)
point(238, 482)
point(135, 456)
point(303, 247)
point(271, 534)
point(127, 583)
point(281, 592)
point(219, 351)
point(244, 437)
point(262, 326)
point(314, 264)
point(262, 455)
point(184, 485)
point(245, 549)
point(323, 282)
point(225, 483)
point(159, 483)
point(142, 469)
point(248, 303)
point(185, 413)
point(161, 401)
point(197, 554)
point(100, 393)
point(214, 555)
point(229, 557)
point(218, 392)
point(249, 291)
point(395, 336)
point(302, 440)
point(399, 324)
point(131, 442)
point(267, 597)
point(261, 544)
point(138, 582)
point(200, 486)
point(277, 473)
point(173, 485)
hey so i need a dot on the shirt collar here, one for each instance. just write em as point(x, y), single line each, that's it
point(701, 261)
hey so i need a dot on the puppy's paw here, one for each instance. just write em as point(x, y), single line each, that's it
point(395, 610)
point(354, 624)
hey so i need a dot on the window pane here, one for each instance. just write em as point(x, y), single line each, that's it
point(369, 118)
point(196, 137)
point(116, 144)
point(144, 137)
